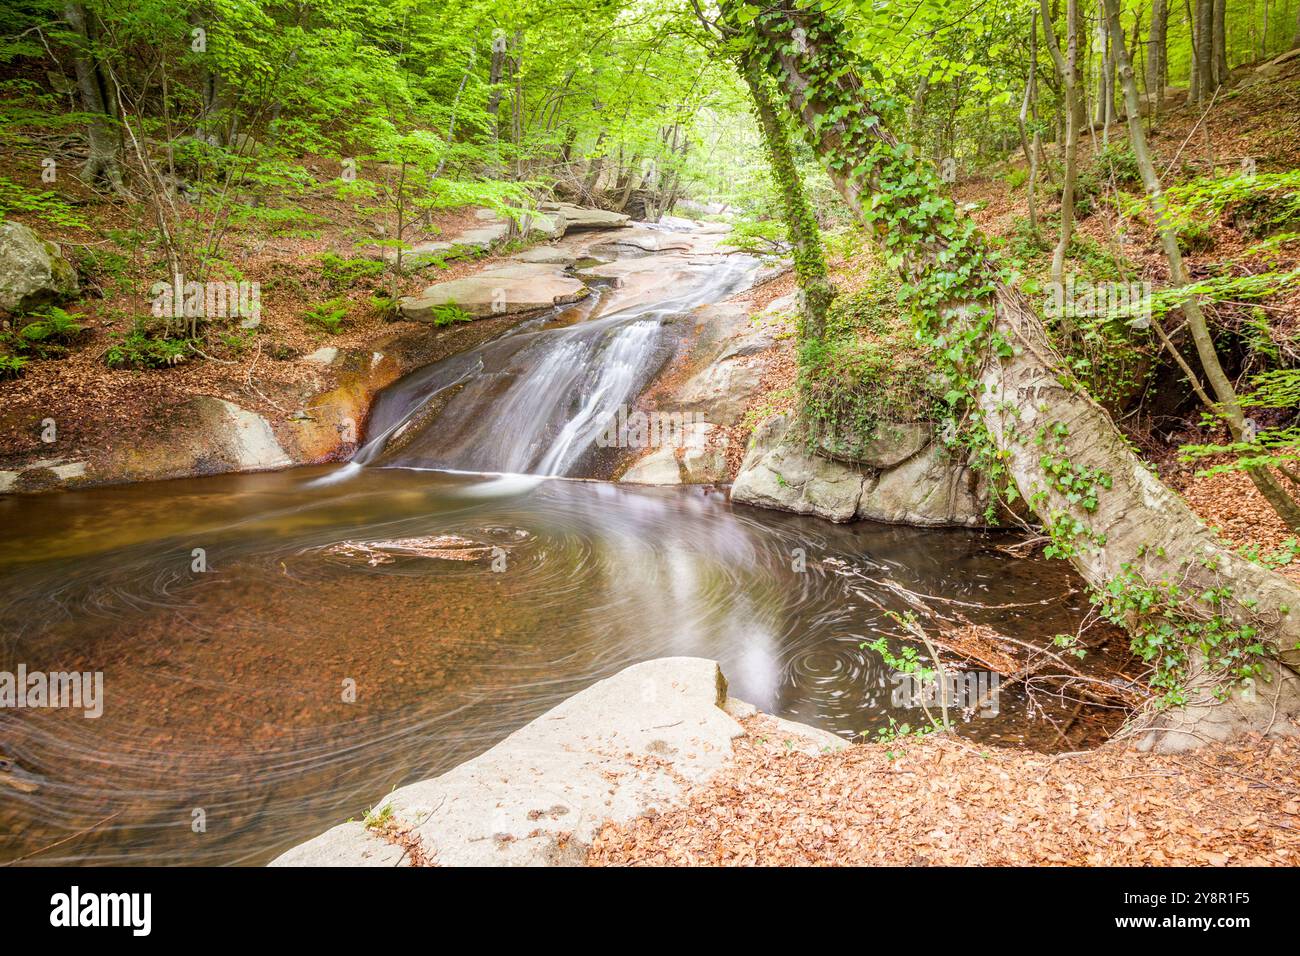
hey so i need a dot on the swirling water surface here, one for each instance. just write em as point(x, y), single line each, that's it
point(226, 690)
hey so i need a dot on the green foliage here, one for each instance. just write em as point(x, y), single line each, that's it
point(759, 237)
point(1264, 202)
point(11, 366)
point(1166, 623)
point(444, 315)
point(45, 205)
point(1269, 447)
point(106, 270)
point(343, 273)
point(1195, 236)
point(142, 348)
point(50, 333)
point(866, 373)
point(329, 315)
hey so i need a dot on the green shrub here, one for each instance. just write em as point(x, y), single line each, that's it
point(140, 349)
point(328, 315)
point(343, 273)
point(11, 366)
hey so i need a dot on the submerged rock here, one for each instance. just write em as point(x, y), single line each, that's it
point(16, 778)
point(444, 547)
point(33, 272)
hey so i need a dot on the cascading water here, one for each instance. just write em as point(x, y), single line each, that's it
point(536, 400)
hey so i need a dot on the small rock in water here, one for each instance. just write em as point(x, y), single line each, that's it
point(447, 547)
point(12, 775)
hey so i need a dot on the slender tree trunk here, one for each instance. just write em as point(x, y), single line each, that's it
point(1026, 107)
point(1158, 51)
point(1204, 51)
point(1219, 46)
point(918, 106)
point(105, 143)
point(1139, 527)
point(1067, 68)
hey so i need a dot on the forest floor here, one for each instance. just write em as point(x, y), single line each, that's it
point(97, 406)
point(942, 800)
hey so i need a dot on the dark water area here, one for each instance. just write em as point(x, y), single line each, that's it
point(224, 689)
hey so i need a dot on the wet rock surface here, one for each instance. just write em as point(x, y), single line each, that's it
point(506, 290)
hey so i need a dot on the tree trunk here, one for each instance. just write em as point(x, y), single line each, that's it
point(1219, 44)
point(1203, 50)
point(1067, 68)
point(1158, 51)
point(1138, 529)
point(105, 161)
point(1226, 395)
point(815, 289)
point(1026, 106)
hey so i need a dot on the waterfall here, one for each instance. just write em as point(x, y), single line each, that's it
point(535, 400)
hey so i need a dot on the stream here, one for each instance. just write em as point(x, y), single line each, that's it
point(317, 660)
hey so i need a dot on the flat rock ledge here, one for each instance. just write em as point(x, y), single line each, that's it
point(632, 743)
point(519, 287)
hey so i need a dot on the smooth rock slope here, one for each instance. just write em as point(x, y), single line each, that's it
point(628, 744)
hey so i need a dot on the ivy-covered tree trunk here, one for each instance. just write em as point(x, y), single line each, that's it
point(813, 277)
point(1212, 624)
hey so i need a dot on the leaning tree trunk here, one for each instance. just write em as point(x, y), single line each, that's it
point(105, 161)
point(1147, 556)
